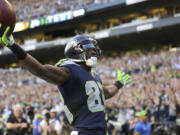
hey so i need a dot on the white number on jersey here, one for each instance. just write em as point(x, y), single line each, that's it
point(94, 100)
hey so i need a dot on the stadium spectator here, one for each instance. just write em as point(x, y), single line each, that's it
point(44, 126)
point(16, 124)
point(50, 125)
point(54, 123)
point(26, 10)
point(143, 127)
point(65, 126)
point(37, 121)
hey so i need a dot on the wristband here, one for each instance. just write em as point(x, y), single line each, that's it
point(118, 84)
point(18, 51)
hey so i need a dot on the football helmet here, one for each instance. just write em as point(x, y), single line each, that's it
point(77, 49)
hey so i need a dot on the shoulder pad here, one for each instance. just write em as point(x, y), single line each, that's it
point(60, 62)
point(64, 62)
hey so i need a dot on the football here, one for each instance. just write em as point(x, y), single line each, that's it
point(7, 16)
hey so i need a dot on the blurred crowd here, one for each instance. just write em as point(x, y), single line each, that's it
point(26, 9)
point(155, 89)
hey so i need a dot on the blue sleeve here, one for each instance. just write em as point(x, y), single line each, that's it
point(137, 128)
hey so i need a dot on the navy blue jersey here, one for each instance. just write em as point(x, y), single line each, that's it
point(83, 98)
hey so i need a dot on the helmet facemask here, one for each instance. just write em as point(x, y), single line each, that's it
point(89, 58)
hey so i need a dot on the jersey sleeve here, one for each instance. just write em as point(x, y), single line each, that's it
point(71, 66)
point(72, 72)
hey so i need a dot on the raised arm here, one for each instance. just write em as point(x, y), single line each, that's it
point(111, 90)
point(49, 73)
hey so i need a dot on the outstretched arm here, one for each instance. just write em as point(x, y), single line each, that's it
point(111, 90)
point(49, 73)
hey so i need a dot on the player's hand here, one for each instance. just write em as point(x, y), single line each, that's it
point(123, 78)
point(7, 41)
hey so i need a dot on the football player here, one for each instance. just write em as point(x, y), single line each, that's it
point(80, 89)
